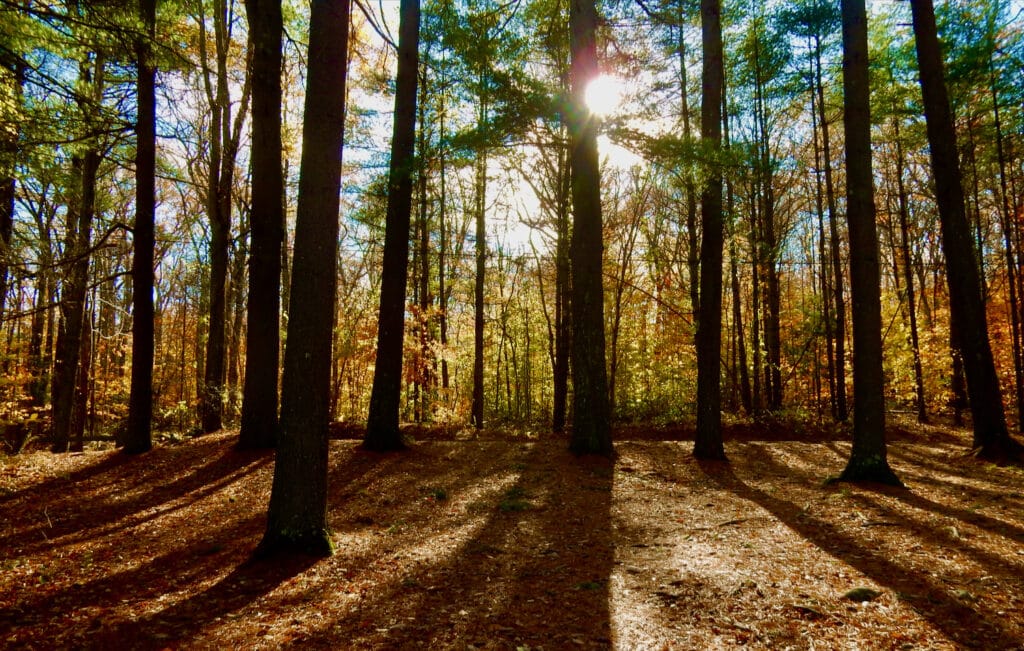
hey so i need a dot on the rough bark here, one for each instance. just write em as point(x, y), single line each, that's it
point(382, 431)
point(991, 437)
point(867, 460)
point(591, 426)
point(138, 435)
point(263, 330)
point(708, 438)
point(297, 515)
point(67, 354)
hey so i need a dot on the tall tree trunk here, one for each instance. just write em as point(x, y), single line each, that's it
point(138, 434)
point(991, 437)
point(8, 185)
point(841, 412)
point(563, 311)
point(77, 255)
point(708, 438)
point(477, 415)
point(297, 514)
point(826, 298)
point(442, 251)
point(225, 136)
point(382, 431)
point(746, 399)
point(423, 373)
point(1009, 228)
point(591, 426)
point(868, 460)
point(73, 296)
point(689, 188)
point(259, 426)
point(908, 278)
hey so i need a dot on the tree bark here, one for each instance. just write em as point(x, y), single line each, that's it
point(477, 407)
point(382, 431)
point(259, 426)
point(72, 304)
point(591, 426)
point(991, 437)
point(868, 460)
point(138, 436)
point(841, 411)
point(225, 136)
point(297, 515)
point(908, 277)
point(708, 438)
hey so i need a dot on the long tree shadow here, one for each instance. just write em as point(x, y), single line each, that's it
point(969, 516)
point(534, 572)
point(124, 493)
point(942, 537)
point(247, 583)
point(945, 612)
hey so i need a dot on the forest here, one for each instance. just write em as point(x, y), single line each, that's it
point(542, 298)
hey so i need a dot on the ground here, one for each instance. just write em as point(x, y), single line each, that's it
point(506, 541)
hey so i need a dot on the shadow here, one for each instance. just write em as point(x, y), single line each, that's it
point(247, 583)
point(962, 622)
point(924, 530)
point(191, 561)
point(533, 571)
point(121, 492)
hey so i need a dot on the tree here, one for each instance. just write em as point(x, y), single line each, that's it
point(708, 441)
point(224, 139)
point(11, 81)
point(991, 436)
point(591, 424)
point(382, 431)
point(263, 338)
point(81, 211)
point(868, 460)
point(297, 515)
point(140, 405)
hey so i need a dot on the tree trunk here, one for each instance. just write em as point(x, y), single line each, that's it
point(297, 515)
point(908, 278)
point(8, 187)
point(477, 415)
point(138, 435)
point(826, 298)
point(72, 304)
point(591, 426)
point(225, 136)
point(991, 437)
point(382, 431)
point(563, 311)
point(841, 412)
point(259, 422)
point(868, 460)
point(708, 438)
point(1009, 228)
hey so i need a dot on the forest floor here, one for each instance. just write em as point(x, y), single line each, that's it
point(506, 541)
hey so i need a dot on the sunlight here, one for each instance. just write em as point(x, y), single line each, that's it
point(604, 95)
point(616, 155)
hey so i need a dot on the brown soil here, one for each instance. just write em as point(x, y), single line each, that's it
point(509, 542)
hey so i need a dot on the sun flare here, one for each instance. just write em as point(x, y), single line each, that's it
point(604, 95)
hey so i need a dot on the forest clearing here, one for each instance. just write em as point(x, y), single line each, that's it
point(507, 541)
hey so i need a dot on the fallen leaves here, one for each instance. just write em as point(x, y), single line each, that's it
point(512, 543)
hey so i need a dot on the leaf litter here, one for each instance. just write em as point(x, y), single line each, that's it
point(499, 541)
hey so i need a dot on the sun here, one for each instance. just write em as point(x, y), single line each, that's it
point(604, 95)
